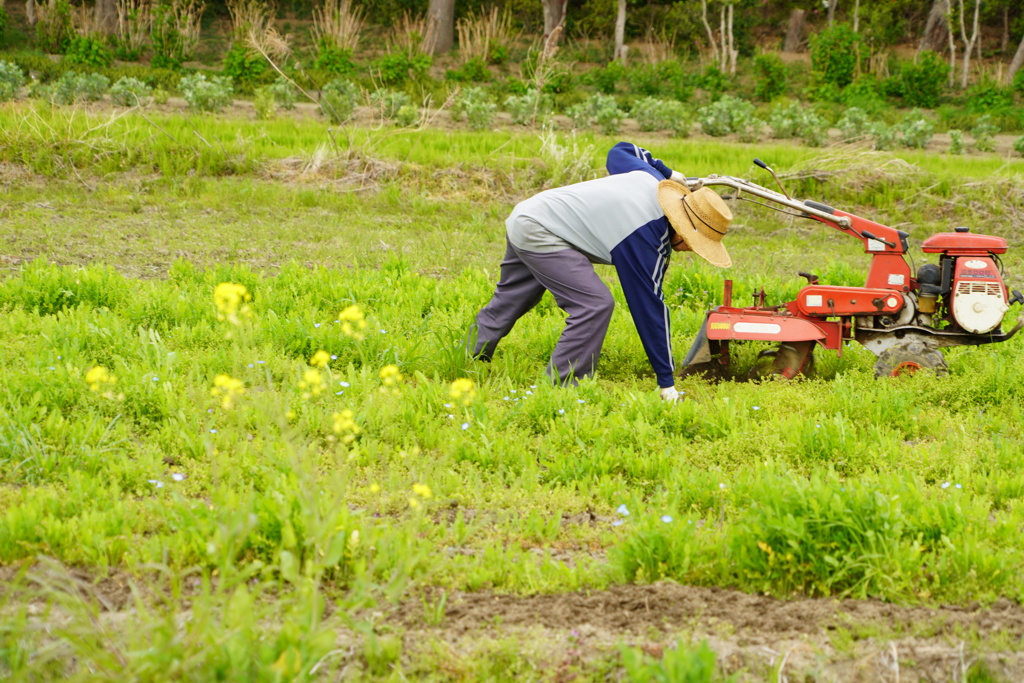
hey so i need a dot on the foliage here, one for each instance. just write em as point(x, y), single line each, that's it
point(204, 94)
point(334, 60)
point(161, 96)
point(988, 97)
point(770, 75)
point(853, 124)
point(923, 81)
point(243, 65)
point(394, 69)
point(5, 20)
point(796, 121)
point(87, 50)
point(73, 87)
point(653, 114)
point(530, 108)
point(729, 115)
point(883, 136)
point(834, 54)
point(388, 102)
point(264, 103)
point(916, 129)
point(599, 109)
point(472, 70)
point(660, 79)
point(864, 94)
point(678, 664)
point(956, 141)
point(1018, 145)
point(175, 32)
point(284, 92)
point(11, 80)
point(605, 78)
point(54, 26)
point(474, 105)
point(984, 133)
point(338, 100)
point(130, 92)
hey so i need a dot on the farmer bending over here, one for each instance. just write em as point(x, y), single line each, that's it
point(628, 220)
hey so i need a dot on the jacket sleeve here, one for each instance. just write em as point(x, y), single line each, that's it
point(626, 157)
point(641, 261)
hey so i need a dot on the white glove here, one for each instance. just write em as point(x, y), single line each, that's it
point(669, 394)
point(678, 177)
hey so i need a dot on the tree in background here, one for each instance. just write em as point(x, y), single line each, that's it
point(441, 25)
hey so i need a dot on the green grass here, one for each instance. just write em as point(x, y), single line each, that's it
point(841, 485)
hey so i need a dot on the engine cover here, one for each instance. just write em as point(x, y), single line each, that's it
point(979, 295)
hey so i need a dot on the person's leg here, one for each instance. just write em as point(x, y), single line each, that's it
point(578, 291)
point(516, 293)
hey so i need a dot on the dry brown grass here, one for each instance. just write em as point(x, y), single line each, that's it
point(479, 32)
point(413, 34)
point(248, 17)
point(337, 24)
point(134, 21)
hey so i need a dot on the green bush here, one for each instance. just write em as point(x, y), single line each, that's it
point(388, 102)
point(729, 115)
point(987, 96)
point(834, 54)
point(661, 79)
point(1018, 81)
point(922, 82)
point(130, 92)
point(334, 60)
point(284, 92)
point(956, 141)
point(795, 121)
point(243, 66)
point(4, 23)
point(770, 75)
point(72, 87)
point(87, 51)
point(599, 109)
point(653, 114)
point(11, 80)
point(396, 68)
point(473, 71)
point(853, 124)
point(264, 103)
point(338, 100)
point(916, 129)
point(678, 664)
point(884, 136)
point(55, 28)
point(1018, 145)
point(206, 95)
point(984, 133)
point(474, 105)
point(530, 108)
point(864, 93)
point(605, 78)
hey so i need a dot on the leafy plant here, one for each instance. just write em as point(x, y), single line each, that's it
point(161, 96)
point(599, 109)
point(338, 100)
point(474, 105)
point(1018, 145)
point(388, 102)
point(243, 65)
point(854, 124)
point(473, 70)
point(11, 80)
point(864, 94)
point(334, 60)
point(134, 23)
point(530, 108)
point(987, 96)
point(770, 74)
point(175, 32)
point(653, 114)
point(205, 94)
point(88, 51)
point(834, 54)
point(916, 129)
point(883, 136)
point(264, 103)
point(923, 81)
point(728, 115)
point(284, 92)
point(396, 68)
point(678, 664)
point(956, 141)
point(54, 26)
point(605, 78)
point(73, 87)
point(984, 133)
point(130, 92)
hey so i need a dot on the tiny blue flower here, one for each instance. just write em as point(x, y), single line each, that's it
point(447, 405)
point(533, 386)
point(316, 324)
point(156, 379)
point(261, 361)
point(512, 390)
point(383, 331)
point(755, 407)
point(465, 425)
point(581, 400)
point(334, 356)
point(505, 399)
point(213, 431)
point(561, 411)
point(178, 476)
point(622, 510)
point(945, 484)
point(959, 486)
point(529, 393)
point(52, 368)
point(339, 393)
point(60, 357)
point(209, 410)
point(617, 522)
point(345, 384)
point(154, 482)
point(251, 365)
point(666, 518)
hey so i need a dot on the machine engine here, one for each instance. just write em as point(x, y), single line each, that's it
point(978, 296)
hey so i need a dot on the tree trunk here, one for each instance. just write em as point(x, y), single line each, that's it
point(554, 14)
point(832, 12)
point(441, 25)
point(1017, 62)
point(952, 43)
point(934, 35)
point(620, 33)
point(795, 32)
point(707, 27)
point(856, 16)
point(30, 12)
point(106, 15)
point(730, 46)
point(968, 43)
point(1004, 44)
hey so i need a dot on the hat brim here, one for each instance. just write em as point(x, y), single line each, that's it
point(670, 195)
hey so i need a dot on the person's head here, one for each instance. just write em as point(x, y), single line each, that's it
point(699, 221)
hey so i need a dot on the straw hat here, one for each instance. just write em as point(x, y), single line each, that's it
point(700, 218)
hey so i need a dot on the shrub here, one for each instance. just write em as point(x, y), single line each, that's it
point(4, 22)
point(984, 132)
point(1018, 145)
point(206, 95)
point(1018, 81)
point(87, 51)
point(161, 96)
point(243, 65)
point(916, 129)
point(922, 82)
point(770, 74)
point(334, 60)
point(264, 103)
point(654, 114)
point(338, 100)
point(285, 94)
point(72, 87)
point(54, 26)
point(663, 78)
point(474, 70)
point(853, 124)
point(474, 105)
point(11, 80)
point(395, 68)
point(529, 108)
point(794, 121)
point(727, 115)
point(408, 114)
point(834, 54)
point(864, 94)
point(388, 102)
point(175, 32)
point(956, 141)
point(605, 78)
point(884, 136)
point(988, 96)
point(130, 92)
point(600, 109)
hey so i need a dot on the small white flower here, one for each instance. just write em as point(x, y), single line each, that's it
point(945, 484)
point(383, 331)
point(533, 386)
point(52, 368)
point(334, 356)
point(512, 390)
point(251, 365)
point(339, 393)
point(447, 405)
point(581, 400)
point(958, 486)
point(561, 411)
point(155, 378)
point(721, 486)
point(316, 324)
point(617, 522)
point(178, 476)
point(60, 357)
point(209, 410)
point(623, 510)
point(261, 361)
point(450, 416)
point(529, 393)
point(505, 399)
point(755, 408)
point(666, 518)
point(157, 484)
point(345, 384)
point(213, 431)
point(465, 425)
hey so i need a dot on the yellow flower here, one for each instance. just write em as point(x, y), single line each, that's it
point(462, 390)
point(413, 503)
point(353, 322)
point(320, 359)
point(374, 488)
point(228, 389)
point(344, 425)
point(421, 490)
point(230, 300)
point(390, 375)
point(97, 377)
point(313, 382)
point(353, 541)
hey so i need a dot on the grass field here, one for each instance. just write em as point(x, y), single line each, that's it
point(293, 481)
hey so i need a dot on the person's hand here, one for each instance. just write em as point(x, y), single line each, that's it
point(678, 177)
point(669, 394)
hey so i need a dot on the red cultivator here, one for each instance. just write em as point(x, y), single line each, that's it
point(902, 317)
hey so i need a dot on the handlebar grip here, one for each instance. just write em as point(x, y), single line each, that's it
point(758, 162)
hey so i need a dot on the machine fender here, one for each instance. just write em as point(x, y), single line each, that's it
point(768, 328)
point(700, 351)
